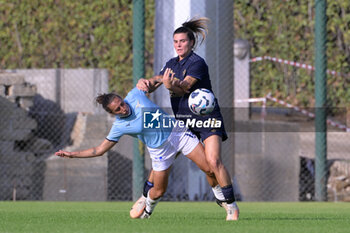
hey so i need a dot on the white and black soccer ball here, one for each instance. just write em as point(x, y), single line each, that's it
point(201, 101)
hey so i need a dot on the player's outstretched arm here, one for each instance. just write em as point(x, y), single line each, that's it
point(88, 153)
point(149, 85)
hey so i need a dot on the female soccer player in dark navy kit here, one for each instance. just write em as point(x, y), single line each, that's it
point(181, 75)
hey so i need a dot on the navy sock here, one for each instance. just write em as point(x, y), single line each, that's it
point(228, 194)
point(146, 187)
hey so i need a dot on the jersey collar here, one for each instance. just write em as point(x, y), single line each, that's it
point(183, 61)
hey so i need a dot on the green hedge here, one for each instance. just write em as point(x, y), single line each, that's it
point(285, 29)
point(72, 34)
point(98, 34)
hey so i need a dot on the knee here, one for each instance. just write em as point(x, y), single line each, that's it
point(214, 163)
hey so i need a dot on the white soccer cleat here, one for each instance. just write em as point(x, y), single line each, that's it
point(145, 215)
point(232, 213)
point(138, 208)
point(222, 204)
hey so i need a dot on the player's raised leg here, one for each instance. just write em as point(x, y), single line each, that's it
point(139, 206)
point(156, 192)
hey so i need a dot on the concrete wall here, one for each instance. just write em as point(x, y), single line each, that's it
point(20, 149)
point(39, 112)
point(267, 161)
point(73, 90)
point(79, 179)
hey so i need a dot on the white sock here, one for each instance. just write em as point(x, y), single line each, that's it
point(218, 193)
point(150, 203)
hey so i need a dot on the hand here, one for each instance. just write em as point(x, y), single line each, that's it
point(64, 154)
point(176, 82)
point(168, 78)
point(143, 85)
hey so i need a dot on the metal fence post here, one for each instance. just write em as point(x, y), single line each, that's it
point(138, 72)
point(321, 99)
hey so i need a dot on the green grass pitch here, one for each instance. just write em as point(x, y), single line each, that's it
point(171, 217)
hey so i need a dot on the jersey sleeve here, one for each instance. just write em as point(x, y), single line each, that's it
point(198, 70)
point(114, 134)
point(161, 72)
point(135, 93)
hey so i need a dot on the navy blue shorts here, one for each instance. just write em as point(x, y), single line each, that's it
point(204, 133)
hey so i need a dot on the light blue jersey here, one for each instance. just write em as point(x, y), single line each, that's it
point(143, 121)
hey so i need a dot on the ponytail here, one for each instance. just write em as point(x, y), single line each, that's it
point(193, 28)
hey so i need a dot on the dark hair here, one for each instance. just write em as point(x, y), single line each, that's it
point(106, 99)
point(193, 28)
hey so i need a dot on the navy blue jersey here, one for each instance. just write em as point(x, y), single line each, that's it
point(195, 66)
point(192, 65)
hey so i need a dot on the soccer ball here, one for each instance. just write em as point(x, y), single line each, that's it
point(201, 101)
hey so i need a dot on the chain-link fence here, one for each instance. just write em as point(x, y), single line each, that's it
point(273, 158)
point(47, 110)
point(277, 135)
point(42, 111)
point(280, 162)
point(283, 132)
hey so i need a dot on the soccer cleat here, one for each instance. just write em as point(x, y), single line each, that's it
point(221, 203)
point(138, 208)
point(145, 215)
point(232, 213)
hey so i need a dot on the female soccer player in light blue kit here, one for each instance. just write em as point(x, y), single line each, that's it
point(139, 117)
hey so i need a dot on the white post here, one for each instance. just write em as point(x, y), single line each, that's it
point(241, 79)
